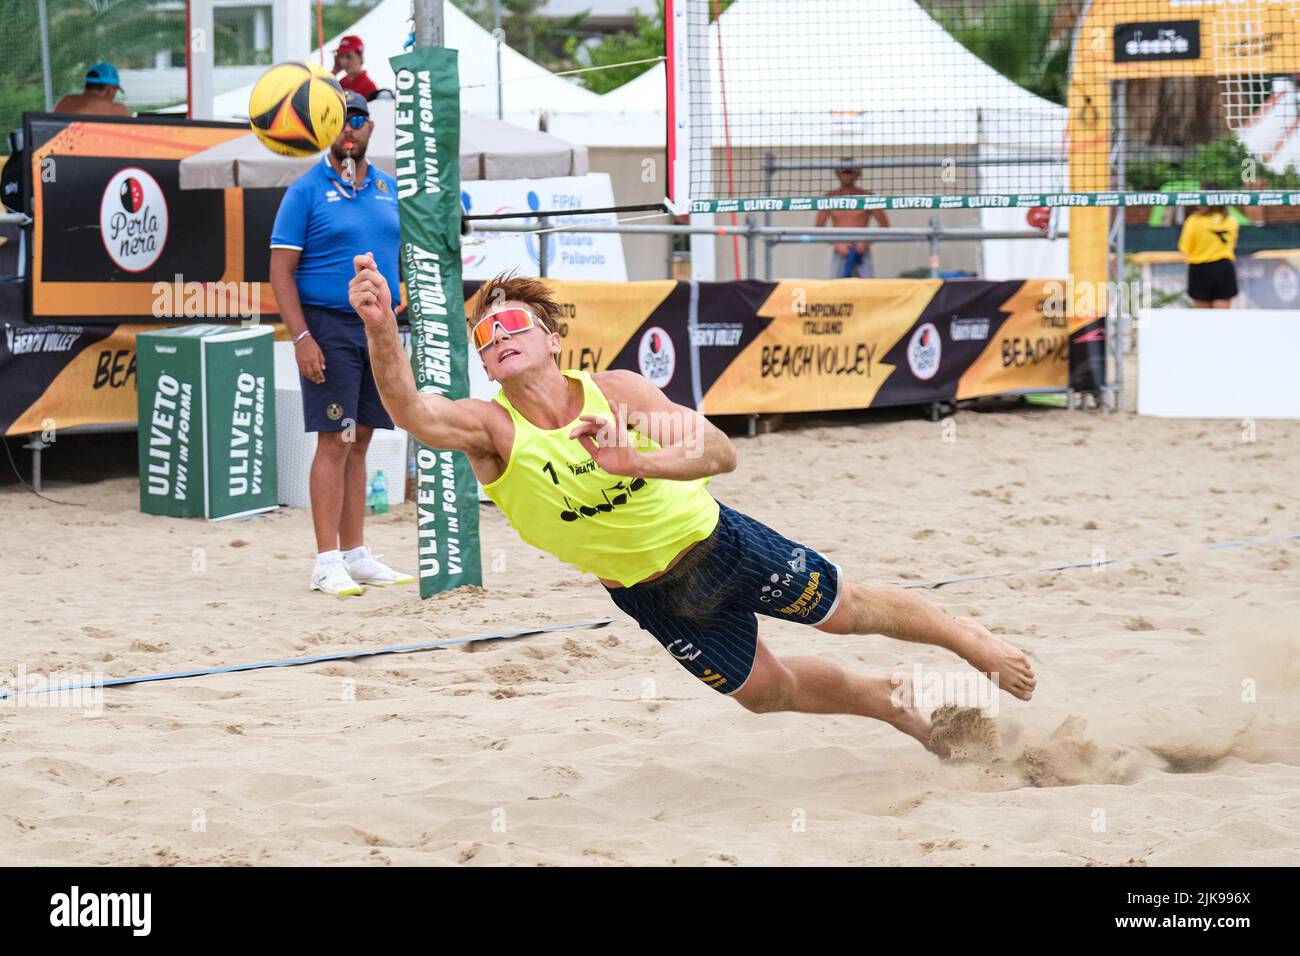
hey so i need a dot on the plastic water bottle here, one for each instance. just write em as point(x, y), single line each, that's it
point(377, 495)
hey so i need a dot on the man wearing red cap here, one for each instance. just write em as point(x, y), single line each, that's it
point(348, 58)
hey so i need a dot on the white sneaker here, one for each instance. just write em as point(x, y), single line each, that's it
point(331, 577)
point(366, 568)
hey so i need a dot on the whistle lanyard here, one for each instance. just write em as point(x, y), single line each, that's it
point(341, 181)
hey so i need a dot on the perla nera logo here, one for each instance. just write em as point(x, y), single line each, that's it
point(133, 219)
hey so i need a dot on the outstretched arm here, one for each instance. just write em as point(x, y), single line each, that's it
point(690, 445)
point(437, 421)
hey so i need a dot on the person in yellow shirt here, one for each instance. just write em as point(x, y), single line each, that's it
point(606, 473)
point(1209, 241)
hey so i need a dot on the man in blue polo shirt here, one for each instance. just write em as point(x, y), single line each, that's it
point(340, 208)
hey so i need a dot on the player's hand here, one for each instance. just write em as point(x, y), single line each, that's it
point(609, 445)
point(368, 292)
point(311, 360)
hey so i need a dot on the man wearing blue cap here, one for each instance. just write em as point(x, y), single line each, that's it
point(102, 86)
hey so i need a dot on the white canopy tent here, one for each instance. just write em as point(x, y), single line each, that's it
point(528, 90)
point(1273, 132)
point(634, 115)
point(489, 149)
point(892, 76)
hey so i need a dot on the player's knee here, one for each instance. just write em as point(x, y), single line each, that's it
point(331, 446)
point(768, 693)
point(844, 620)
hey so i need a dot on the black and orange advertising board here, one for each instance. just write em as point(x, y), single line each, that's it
point(724, 348)
point(752, 347)
point(110, 221)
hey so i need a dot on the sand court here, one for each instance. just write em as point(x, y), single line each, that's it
point(1165, 729)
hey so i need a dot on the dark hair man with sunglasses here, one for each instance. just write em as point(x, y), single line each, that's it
point(338, 209)
point(607, 474)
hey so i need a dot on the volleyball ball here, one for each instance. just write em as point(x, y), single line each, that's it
point(297, 108)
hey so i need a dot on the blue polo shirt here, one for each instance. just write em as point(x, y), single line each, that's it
point(317, 218)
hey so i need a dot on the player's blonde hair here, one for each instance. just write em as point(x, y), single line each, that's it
point(508, 287)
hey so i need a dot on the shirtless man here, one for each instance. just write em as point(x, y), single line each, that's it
point(607, 474)
point(851, 258)
point(102, 86)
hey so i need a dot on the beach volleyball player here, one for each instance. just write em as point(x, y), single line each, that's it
point(607, 474)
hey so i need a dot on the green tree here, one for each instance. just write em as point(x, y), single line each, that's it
point(338, 17)
point(550, 43)
point(1219, 164)
point(644, 42)
point(1021, 39)
point(127, 33)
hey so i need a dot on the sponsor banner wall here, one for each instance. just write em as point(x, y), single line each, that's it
point(755, 347)
point(723, 347)
point(69, 376)
point(568, 255)
point(64, 376)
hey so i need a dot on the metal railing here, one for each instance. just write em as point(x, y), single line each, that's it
point(934, 233)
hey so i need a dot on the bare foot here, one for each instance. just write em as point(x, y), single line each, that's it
point(904, 715)
point(1000, 661)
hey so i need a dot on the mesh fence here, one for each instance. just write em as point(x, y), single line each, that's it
point(133, 35)
point(989, 102)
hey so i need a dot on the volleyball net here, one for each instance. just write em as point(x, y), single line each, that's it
point(778, 105)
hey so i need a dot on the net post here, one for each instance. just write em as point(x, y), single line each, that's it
point(200, 58)
point(427, 19)
point(769, 161)
point(542, 250)
point(751, 234)
point(1113, 384)
point(45, 59)
point(934, 247)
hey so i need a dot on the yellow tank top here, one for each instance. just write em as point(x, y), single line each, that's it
point(1207, 238)
point(618, 528)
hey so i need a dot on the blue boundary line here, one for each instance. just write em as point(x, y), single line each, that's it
point(602, 622)
point(319, 658)
point(1053, 568)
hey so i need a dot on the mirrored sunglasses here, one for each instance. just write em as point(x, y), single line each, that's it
point(511, 321)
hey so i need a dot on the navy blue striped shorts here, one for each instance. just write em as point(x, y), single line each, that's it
point(703, 610)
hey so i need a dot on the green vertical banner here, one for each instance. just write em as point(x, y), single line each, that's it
point(428, 191)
